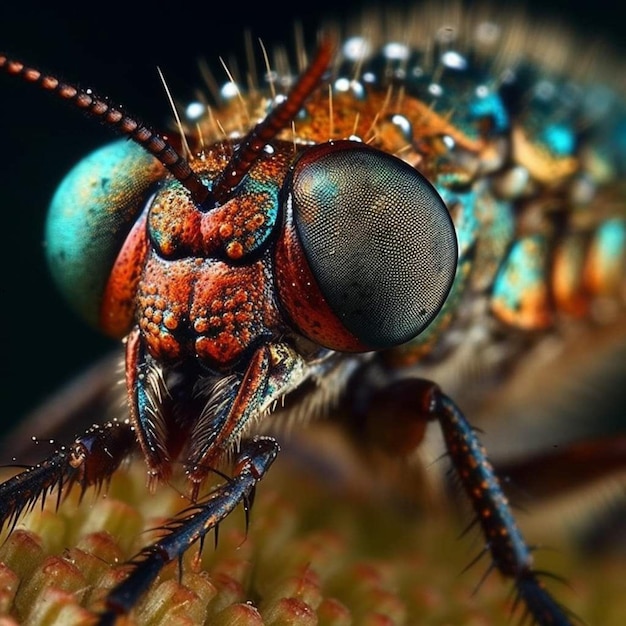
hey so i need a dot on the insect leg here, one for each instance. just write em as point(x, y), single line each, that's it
point(413, 403)
point(90, 460)
point(254, 459)
point(509, 551)
point(572, 466)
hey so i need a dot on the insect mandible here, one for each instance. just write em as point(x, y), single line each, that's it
point(229, 275)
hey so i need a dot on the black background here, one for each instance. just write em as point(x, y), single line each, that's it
point(115, 49)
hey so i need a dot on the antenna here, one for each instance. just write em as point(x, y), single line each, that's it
point(112, 116)
point(279, 118)
point(246, 154)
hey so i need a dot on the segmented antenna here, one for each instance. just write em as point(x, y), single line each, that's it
point(278, 119)
point(110, 115)
point(247, 152)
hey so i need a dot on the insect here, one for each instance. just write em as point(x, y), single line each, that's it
point(237, 228)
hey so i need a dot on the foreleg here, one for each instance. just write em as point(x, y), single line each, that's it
point(192, 525)
point(90, 460)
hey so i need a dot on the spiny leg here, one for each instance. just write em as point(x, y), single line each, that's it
point(509, 552)
point(415, 402)
point(252, 462)
point(91, 460)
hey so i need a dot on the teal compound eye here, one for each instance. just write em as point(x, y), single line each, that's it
point(90, 216)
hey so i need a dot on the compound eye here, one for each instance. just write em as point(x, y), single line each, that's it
point(90, 217)
point(379, 243)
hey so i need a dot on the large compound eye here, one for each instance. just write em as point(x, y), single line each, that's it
point(90, 217)
point(369, 251)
